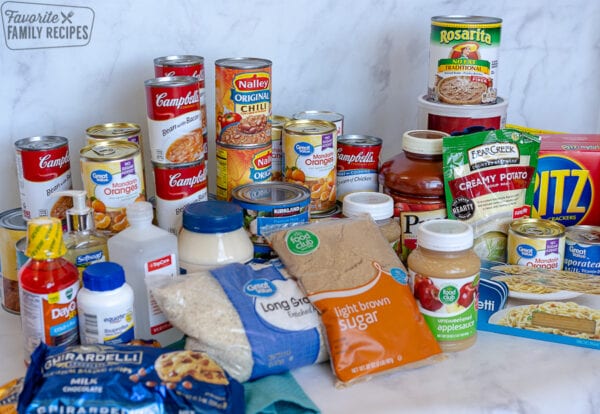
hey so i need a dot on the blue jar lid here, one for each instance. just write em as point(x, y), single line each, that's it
point(212, 216)
point(103, 276)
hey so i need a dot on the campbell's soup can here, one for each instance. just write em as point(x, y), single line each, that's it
point(277, 122)
point(238, 165)
point(43, 169)
point(178, 185)
point(186, 65)
point(113, 177)
point(13, 227)
point(310, 159)
point(357, 164)
point(536, 243)
point(243, 101)
point(174, 119)
point(329, 116)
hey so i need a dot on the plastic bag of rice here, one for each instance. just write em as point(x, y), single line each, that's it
point(253, 321)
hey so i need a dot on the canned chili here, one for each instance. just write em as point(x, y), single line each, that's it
point(238, 165)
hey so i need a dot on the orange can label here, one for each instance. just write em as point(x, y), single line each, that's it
point(241, 165)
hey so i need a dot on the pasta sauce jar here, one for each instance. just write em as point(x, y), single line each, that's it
point(444, 277)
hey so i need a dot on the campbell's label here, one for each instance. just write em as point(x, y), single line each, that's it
point(357, 168)
point(177, 187)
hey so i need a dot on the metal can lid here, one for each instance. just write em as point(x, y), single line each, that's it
point(423, 141)
point(462, 20)
point(319, 115)
point(277, 121)
point(584, 234)
point(42, 142)
point(271, 193)
point(113, 129)
point(13, 220)
point(359, 140)
point(172, 81)
point(309, 127)
point(179, 60)
point(109, 150)
point(537, 228)
point(243, 63)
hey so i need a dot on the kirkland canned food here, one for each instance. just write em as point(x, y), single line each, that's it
point(536, 243)
point(178, 185)
point(272, 206)
point(174, 119)
point(336, 118)
point(582, 250)
point(357, 164)
point(463, 59)
point(310, 158)
point(113, 178)
point(243, 101)
point(12, 228)
point(277, 122)
point(238, 165)
point(43, 169)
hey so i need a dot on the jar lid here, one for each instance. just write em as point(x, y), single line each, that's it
point(445, 235)
point(139, 212)
point(423, 141)
point(212, 216)
point(103, 276)
point(380, 206)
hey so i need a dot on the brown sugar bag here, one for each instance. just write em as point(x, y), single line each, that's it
point(359, 286)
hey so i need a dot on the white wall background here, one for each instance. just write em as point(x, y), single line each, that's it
point(365, 59)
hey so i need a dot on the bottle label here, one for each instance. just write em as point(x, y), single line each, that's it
point(85, 259)
point(449, 306)
point(162, 266)
point(50, 317)
point(111, 326)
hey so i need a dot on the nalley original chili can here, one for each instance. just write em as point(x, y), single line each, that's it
point(357, 164)
point(310, 159)
point(13, 228)
point(238, 165)
point(243, 101)
point(43, 169)
point(174, 119)
point(178, 185)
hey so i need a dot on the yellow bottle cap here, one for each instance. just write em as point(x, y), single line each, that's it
point(44, 238)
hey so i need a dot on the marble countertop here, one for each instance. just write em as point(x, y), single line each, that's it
point(499, 374)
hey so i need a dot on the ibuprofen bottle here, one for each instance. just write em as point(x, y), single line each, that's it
point(146, 251)
point(105, 305)
point(444, 275)
point(213, 235)
point(415, 180)
point(48, 288)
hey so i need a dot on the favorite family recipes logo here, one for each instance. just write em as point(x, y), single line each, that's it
point(39, 26)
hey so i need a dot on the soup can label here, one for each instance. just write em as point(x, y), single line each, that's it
point(239, 165)
point(310, 159)
point(43, 169)
point(113, 178)
point(243, 101)
point(582, 250)
point(177, 186)
point(536, 243)
point(174, 119)
point(357, 164)
point(277, 122)
point(13, 228)
point(463, 59)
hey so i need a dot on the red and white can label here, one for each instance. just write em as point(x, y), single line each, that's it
point(174, 119)
point(41, 175)
point(176, 187)
point(357, 167)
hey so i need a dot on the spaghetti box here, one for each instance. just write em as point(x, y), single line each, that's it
point(542, 304)
point(568, 179)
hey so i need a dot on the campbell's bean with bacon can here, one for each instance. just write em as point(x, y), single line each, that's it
point(357, 164)
point(43, 169)
point(178, 185)
point(174, 119)
point(243, 101)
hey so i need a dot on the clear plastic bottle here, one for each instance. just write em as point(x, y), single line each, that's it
point(146, 251)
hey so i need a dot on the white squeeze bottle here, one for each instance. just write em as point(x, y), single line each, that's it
point(146, 251)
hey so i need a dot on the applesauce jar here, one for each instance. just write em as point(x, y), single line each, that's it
point(444, 278)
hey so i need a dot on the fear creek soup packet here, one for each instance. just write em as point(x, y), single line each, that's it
point(359, 286)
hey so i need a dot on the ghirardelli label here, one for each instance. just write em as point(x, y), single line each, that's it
point(39, 26)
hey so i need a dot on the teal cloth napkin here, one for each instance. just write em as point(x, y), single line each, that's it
point(277, 394)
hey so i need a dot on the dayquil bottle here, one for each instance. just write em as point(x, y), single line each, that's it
point(48, 286)
point(444, 277)
point(146, 251)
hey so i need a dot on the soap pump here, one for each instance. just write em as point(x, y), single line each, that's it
point(84, 244)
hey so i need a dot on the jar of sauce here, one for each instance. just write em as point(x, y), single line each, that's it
point(415, 180)
point(213, 235)
point(444, 277)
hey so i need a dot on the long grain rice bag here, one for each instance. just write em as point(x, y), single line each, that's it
point(253, 322)
point(358, 284)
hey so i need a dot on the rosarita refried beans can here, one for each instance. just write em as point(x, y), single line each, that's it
point(174, 119)
point(178, 185)
point(243, 101)
point(43, 169)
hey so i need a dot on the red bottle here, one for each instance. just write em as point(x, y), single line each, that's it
point(48, 288)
